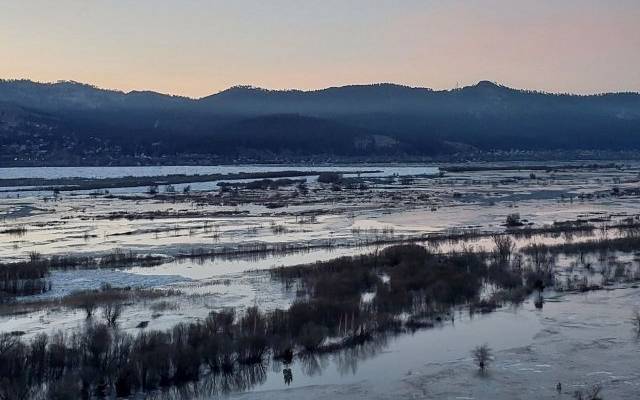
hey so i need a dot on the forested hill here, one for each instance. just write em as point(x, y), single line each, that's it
point(69, 122)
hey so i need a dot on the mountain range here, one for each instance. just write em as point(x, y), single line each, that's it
point(68, 123)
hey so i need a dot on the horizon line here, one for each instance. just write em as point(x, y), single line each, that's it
point(283, 90)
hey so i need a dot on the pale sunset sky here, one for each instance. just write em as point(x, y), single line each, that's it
point(195, 48)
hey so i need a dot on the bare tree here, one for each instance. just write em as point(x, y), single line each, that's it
point(111, 313)
point(593, 393)
point(89, 306)
point(34, 256)
point(482, 356)
point(7, 342)
point(636, 319)
point(504, 247)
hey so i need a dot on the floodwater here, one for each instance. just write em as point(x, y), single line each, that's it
point(392, 358)
point(580, 339)
point(117, 172)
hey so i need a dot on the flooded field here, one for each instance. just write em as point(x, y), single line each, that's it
point(579, 340)
point(548, 259)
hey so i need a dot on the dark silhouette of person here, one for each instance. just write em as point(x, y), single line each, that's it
point(559, 387)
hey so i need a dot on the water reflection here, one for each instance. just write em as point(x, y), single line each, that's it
point(243, 378)
point(384, 358)
point(539, 301)
point(347, 361)
point(249, 377)
point(288, 376)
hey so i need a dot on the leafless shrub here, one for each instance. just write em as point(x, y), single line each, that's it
point(312, 336)
point(89, 300)
point(164, 305)
point(278, 229)
point(482, 356)
point(504, 247)
point(592, 393)
point(7, 342)
point(111, 313)
point(15, 231)
point(34, 256)
point(329, 177)
point(513, 220)
point(635, 319)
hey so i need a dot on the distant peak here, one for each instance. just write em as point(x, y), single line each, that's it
point(487, 84)
point(245, 88)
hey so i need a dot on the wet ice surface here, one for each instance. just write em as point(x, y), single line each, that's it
point(74, 228)
point(115, 172)
point(64, 283)
point(195, 301)
point(481, 200)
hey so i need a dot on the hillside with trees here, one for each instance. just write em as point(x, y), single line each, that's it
point(69, 123)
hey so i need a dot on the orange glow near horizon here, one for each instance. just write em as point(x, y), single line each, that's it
point(195, 48)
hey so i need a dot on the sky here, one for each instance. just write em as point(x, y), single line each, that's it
point(195, 48)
